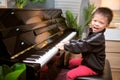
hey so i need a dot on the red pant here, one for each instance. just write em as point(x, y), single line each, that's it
point(78, 70)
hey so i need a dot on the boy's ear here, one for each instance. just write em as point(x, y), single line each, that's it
point(108, 25)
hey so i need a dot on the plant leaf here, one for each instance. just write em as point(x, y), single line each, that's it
point(13, 75)
point(18, 66)
point(69, 18)
point(17, 70)
point(35, 1)
point(1, 73)
point(21, 3)
point(6, 69)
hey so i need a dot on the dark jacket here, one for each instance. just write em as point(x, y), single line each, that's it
point(92, 49)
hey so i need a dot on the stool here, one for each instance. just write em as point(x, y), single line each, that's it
point(105, 76)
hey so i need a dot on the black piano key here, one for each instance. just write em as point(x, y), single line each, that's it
point(41, 52)
point(35, 56)
point(31, 60)
point(38, 54)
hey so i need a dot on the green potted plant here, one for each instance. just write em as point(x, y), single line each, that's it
point(14, 72)
point(23, 3)
point(72, 22)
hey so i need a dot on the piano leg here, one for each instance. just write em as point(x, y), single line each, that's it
point(33, 71)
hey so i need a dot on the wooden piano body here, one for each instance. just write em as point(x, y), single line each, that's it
point(26, 34)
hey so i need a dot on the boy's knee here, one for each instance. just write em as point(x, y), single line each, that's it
point(75, 62)
point(70, 76)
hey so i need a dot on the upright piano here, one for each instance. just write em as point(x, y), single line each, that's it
point(30, 36)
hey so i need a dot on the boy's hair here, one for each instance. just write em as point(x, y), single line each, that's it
point(105, 12)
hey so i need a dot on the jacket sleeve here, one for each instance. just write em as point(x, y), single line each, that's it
point(76, 46)
point(82, 46)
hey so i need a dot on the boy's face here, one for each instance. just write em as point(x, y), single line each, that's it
point(99, 22)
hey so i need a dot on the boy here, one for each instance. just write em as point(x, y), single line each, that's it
point(92, 48)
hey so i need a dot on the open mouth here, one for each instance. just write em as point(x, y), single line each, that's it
point(95, 29)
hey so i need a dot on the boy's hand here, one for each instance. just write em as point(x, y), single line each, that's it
point(61, 45)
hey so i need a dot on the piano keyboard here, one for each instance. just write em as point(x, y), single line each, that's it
point(43, 59)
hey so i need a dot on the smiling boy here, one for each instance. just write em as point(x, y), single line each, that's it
point(92, 48)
